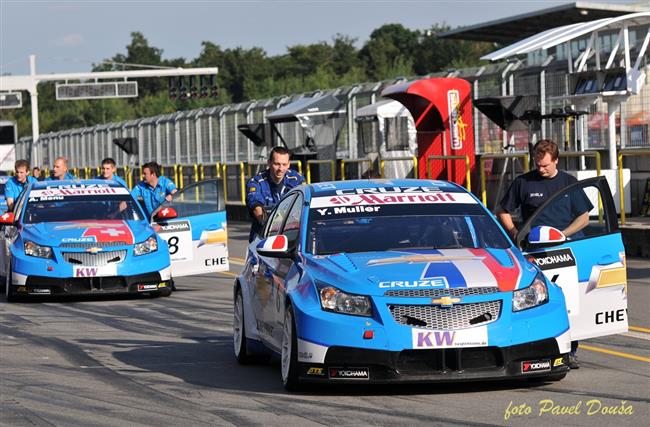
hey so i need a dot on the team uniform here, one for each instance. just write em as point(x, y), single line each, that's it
point(153, 197)
point(14, 188)
point(262, 191)
point(115, 178)
point(530, 190)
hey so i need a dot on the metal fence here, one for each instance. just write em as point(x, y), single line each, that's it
point(209, 136)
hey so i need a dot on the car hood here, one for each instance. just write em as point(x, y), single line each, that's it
point(100, 231)
point(374, 273)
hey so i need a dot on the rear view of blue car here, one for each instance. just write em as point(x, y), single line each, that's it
point(81, 237)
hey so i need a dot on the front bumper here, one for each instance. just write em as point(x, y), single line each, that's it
point(356, 365)
point(43, 285)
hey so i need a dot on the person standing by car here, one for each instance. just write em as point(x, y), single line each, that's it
point(264, 190)
point(17, 183)
point(36, 173)
point(530, 190)
point(154, 189)
point(60, 170)
point(109, 171)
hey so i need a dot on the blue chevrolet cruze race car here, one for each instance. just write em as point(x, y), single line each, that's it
point(81, 237)
point(414, 280)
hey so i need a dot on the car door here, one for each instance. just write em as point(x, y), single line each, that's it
point(266, 278)
point(590, 265)
point(283, 268)
point(198, 237)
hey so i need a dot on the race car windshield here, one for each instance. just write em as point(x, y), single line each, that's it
point(77, 208)
point(386, 233)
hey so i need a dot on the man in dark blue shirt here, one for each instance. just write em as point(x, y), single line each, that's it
point(264, 190)
point(529, 191)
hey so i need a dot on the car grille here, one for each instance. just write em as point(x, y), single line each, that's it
point(86, 245)
point(452, 292)
point(458, 316)
point(98, 259)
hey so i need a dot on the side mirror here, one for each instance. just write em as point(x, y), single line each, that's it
point(545, 235)
point(7, 218)
point(274, 247)
point(165, 213)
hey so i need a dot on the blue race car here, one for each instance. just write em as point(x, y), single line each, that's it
point(3, 199)
point(403, 280)
point(82, 237)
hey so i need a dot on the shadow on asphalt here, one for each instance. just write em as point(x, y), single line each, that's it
point(209, 362)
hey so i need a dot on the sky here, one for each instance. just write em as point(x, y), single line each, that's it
point(69, 36)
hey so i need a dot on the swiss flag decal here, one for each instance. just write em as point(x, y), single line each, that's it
point(110, 231)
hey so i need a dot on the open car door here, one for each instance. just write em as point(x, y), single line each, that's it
point(198, 237)
point(589, 265)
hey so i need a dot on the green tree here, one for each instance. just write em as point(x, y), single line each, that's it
point(390, 47)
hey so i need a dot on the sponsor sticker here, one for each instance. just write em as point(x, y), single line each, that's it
point(473, 337)
point(147, 287)
point(316, 371)
point(548, 260)
point(94, 271)
point(40, 291)
point(388, 190)
point(349, 373)
point(531, 366)
point(558, 362)
point(434, 282)
point(391, 199)
point(59, 193)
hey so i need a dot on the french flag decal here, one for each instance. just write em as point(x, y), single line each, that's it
point(545, 234)
point(274, 243)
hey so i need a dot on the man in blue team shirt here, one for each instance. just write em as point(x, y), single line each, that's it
point(16, 185)
point(154, 189)
point(109, 171)
point(264, 190)
point(530, 190)
point(60, 170)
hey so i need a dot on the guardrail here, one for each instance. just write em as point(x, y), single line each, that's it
point(382, 164)
point(485, 157)
point(332, 164)
point(357, 161)
point(628, 153)
point(467, 167)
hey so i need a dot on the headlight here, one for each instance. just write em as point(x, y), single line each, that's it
point(32, 249)
point(333, 299)
point(532, 296)
point(146, 247)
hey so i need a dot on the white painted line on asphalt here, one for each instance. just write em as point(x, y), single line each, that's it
point(639, 335)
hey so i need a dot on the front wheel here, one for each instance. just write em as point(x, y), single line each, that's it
point(289, 360)
point(239, 330)
point(9, 292)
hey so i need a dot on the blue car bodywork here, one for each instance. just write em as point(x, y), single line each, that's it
point(71, 237)
point(402, 280)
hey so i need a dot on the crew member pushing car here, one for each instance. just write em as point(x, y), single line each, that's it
point(264, 190)
point(154, 189)
point(16, 185)
point(530, 190)
point(109, 171)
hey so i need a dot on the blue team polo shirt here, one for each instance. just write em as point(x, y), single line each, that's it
point(14, 188)
point(115, 178)
point(153, 197)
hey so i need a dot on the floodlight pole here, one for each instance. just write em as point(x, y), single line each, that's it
point(31, 81)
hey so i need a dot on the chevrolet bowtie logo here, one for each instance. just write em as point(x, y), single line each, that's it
point(445, 301)
point(94, 250)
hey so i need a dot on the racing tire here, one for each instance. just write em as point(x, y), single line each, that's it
point(239, 331)
point(165, 292)
point(289, 355)
point(9, 293)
